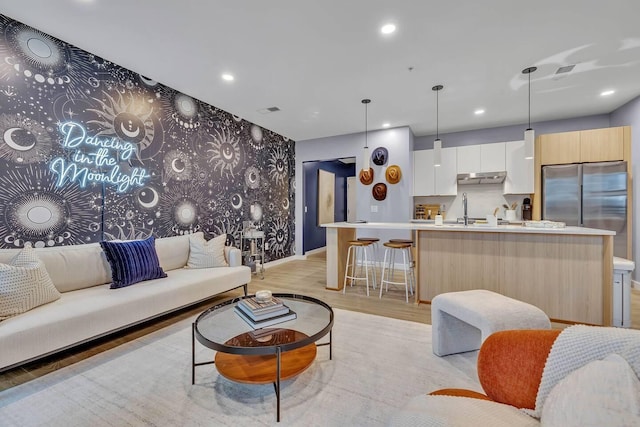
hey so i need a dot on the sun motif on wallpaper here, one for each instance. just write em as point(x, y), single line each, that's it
point(183, 206)
point(177, 166)
point(130, 118)
point(278, 165)
point(232, 228)
point(278, 236)
point(23, 140)
point(36, 210)
point(225, 152)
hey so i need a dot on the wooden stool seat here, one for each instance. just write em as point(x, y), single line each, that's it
point(368, 239)
point(359, 243)
point(397, 245)
point(401, 241)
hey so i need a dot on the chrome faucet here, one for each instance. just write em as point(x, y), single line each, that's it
point(464, 207)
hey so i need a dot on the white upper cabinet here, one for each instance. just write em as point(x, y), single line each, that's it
point(423, 174)
point(446, 174)
point(492, 157)
point(429, 180)
point(520, 172)
point(468, 159)
point(481, 158)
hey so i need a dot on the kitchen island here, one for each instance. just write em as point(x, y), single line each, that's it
point(567, 272)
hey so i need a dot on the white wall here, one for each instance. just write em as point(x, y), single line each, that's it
point(397, 207)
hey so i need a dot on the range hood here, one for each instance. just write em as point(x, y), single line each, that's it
point(482, 178)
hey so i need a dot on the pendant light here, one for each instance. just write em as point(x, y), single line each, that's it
point(365, 151)
point(437, 144)
point(529, 134)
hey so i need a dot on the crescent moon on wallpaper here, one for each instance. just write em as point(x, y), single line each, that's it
point(153, 199)
point(176, 168)
point(148, 81)
point(8, 138)
point(129, 133)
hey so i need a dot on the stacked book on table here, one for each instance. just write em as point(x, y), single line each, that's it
point(262, 314)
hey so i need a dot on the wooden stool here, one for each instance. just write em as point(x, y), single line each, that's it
point(389, 265)
point(376, 252)
point(357, 247)
point(412, 264)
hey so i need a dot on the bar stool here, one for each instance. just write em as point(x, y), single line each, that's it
point(375, 245)
point(389, 265)
point(412, 264)
point(357, 257)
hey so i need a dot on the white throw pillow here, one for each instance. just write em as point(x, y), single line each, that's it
point(601, 393)
point(24, 284)
point(203, 254)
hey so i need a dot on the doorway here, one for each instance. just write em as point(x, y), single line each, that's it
point(314, 236)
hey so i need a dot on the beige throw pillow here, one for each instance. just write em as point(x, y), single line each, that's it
point(24, 284)
point(203, 254)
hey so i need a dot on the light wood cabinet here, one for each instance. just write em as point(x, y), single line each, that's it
point(559, 148)
point(595, 145)
point(601, 145)
point(429, 180)
point(520, 175)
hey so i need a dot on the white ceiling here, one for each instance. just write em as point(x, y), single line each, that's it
point(316, 60)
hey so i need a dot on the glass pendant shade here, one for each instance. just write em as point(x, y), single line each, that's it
point(529, 143)
point(437, 152)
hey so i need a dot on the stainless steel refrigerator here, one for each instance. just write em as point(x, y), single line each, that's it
point(592, 195)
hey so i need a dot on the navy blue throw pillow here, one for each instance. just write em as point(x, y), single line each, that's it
point(132, 262)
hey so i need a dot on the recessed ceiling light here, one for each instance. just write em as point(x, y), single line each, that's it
point(228, 77)
point(388, 29)
point(478, 112)
point(607, 92)
point(386, 125)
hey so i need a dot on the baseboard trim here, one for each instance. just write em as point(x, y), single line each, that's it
point(315, 251)
point(269, 264)
point(635, 285)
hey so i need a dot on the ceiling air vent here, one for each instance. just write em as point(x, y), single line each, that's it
point(565, 69)
point(268, 110)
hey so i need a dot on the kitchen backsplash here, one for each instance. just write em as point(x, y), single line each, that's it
point(481, 201)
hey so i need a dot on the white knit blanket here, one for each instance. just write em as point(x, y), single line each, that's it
point(578, 345)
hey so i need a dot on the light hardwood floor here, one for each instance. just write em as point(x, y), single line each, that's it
point(305, 277)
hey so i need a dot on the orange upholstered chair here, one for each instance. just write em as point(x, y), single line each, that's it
point(510, 365)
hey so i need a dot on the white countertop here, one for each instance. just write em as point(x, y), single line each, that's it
point(470, 228)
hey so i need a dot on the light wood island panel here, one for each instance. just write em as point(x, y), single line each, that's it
point(567, 276)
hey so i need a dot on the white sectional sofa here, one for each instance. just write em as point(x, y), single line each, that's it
point(88, 307)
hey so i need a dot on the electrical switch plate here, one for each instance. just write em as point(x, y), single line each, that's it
point(374, 208)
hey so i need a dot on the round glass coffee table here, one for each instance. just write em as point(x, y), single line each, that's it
point(265, 355)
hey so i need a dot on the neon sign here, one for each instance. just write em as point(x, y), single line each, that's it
point(83, 165)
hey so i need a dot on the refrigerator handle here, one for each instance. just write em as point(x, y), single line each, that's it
point(581, 207)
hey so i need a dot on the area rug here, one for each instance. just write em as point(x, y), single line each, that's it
point(378, 365)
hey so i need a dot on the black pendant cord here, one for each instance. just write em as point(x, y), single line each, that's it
point(437, 115)
point(529, 100)
point(366, 121)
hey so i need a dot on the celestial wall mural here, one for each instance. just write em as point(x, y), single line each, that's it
point(90, 151)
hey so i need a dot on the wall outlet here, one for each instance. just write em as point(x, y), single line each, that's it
point(374, 208)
